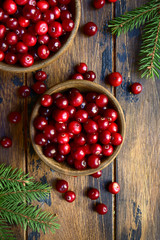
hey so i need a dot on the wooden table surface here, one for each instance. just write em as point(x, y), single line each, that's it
point(134, 213)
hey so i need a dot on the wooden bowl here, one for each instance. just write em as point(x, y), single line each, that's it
point(83, 86)
point(76, 9)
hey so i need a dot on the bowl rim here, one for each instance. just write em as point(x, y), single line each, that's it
point(49, 161)
point(18, 69)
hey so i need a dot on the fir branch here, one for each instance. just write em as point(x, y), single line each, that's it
point(5, 231)
point(135, 18)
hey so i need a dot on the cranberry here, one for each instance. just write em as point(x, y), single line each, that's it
point(80, 165)
point(26, 60)
point(81, 68)
point(99, 3)
point(91, 96)
point(24, 91)
point(60, 127)
point(41, 27)
point(90, 126)
point(55, 29)
point(64, 149)
point(11, 38)
point(48, 16)
point(91, 109)
point(112, 1)
point(40, 76)
point(93, 161)
point(29, 11)
point(40, 123)
point(83, 105)
point(92, 138)
point(81, 116)
point(43, 5)
point(101, 208)
point(66, 15)
point(96, 149)
point(70, 160)
point(37, 17)
point(115, 79)
point(60, 158)
point(97, 174)
point(61, 102)
point(23, 22)
point(6, 142)
point(54, 45)
point(105, 137)
point(2, 31)
point(49, 131)
point(29, 39)
point(50, 151)
point(68, 25)
point(112, 127)
point(77, 76)
point(114, 188)
point(21, 2)
point(44, 111)
point(53, 3)
point(80, 139)
point(4, 15)
point(57, 12)
point(90, 28)
point(71, 110)
point(3, 46)
point(107, 150)
point(21, 47)
point(1, 14)
point(71, 135)
point(62, 186)
point(60, 115)
point(103, 123)
point(75, 98)
point(46, 100)
point(101, 100)
point(43, 52)
point(78, 153)
point(86, 148)
point(32, 2)
point(74, 127)
point(116, 139)
point(110, 114)
point(11, 58)
point(93, 194)
point(54, 139)
point(14, 117)
point(1, 56)
point(10, 6)
point(56, 95)
point(62, 138)
point(39, 87)
point(70, 196)
point(65, 2)
point(136, 88)
point(43, 39)
point(20, 32)
point(90, 76)
point(40, 139)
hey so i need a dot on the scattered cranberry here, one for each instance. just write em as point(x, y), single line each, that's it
point(62, 186)
point(101, 208)
point(46, 100)
point(70, 196)
point(136, 88)
point(39, 87)
point(81, 68)
point(90, 75)
point(114, 188)
point(6, 142)
point(98, 3)
point(24, 91)
point(77, 76)
point(93, 194)
point(97, 174)
point(40, 76)
point(14, 117)
point(115, 79)
point(116, 139)
point(90, 28)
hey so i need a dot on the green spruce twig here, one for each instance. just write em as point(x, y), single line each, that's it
point(5, 231)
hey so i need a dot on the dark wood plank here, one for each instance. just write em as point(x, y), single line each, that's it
point(137, 204)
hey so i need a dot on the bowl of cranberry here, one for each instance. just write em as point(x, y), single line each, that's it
point(35, 33)
point(77, 127)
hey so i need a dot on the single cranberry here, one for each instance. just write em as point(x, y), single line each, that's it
point(43, 52)
point(90, 76)
point(116, 138)
point(53, 3)
point(41, 27)
point(39, 87)
point(46, 100)
point(61, 102)
point(105, 137)
point(92, 109)
point(23, 22)
point(71, 110)
point(66, 15)
point(94, 161)
point(6, 142)
point(92, 138)
point(90, 126)
point(103, 123)
point(70, 160)
point(50, 151)
point(14, 117)
point(1, 14)
point(21, 2)
point(81, 116)
point(115, 79)
point(20, 32)
point(29, 11)
point(24, 91)
point(60, 158)
point(75, 99)
point(70, 196)
point(77, 76)
point(65, 2)
point(60, 126)
point(86, 148)
point(5, 16)
point(3, 46)
point(37, 17)
point(48, 16)
point(80, 165)
point(110, 114)
point(96, 149)
point(56, 11)
point(114, 188)
point(136, 88)
point(55, 29)
point(75, 127)
point(80, 139)
point(10, 6)
point(93, 194)
point(112, 1)
point(40, 122)
point(60, 115)
point(49, 131)
point(40, 76)
point(62, 186)
point(40, 139)
point(64, 149)
point(99, 3)
point(67, 25)
point(97, 174)
point(78, 153)
point(62, 138)
point(26, 60)
point(29, 39)
point(107, 150)
point(91, 96)
point(1, 56)
point(56, 95)
point(101, 208)
point(21, 47)
point(112, 127)
point(11, 38)
point(90, 28)
point(81, 68)
point(11, 58)
point(43, 5)
point(43, 39)
point(2, 31)
point(101, 100)
point(32, 2)
point(54, 45)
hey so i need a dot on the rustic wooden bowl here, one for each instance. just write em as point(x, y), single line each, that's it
point(76, 9)
point(83, 86)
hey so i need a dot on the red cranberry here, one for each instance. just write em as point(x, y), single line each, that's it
point(60, 126)
point(107, 150)
point(80, 139)
point(112, 1)
point(54, 45)
point(91, 109)
point(105, 137)
point(83, 105)
point(103, 123)
point(55, 96)
point(80, 165)
point(81, 68)
point(21, 47)
point(10, 58)
point(4, 15)
point(90, 28)
point(115, 79)
point(46, 100)
point(49, 131)
point(41, 27)
point(93, 161)
point(14, 117)
point(62, 186)
point(112, 127)
point(53, 3)
point(71, 110)
point(62, 138)
point(99, 3)
point(70, 196)
point(90, 76)
point(1, 14)
point(55, 29)
point(110, 114)
point(26, 60)
point(40, 139)
point(97, 174)
point(46, 112)
point(93, 194)
point(50, 151)
point(75, 99)
point(116, 139)
point(70, 160)
point(92, 138)
point(20, 32)
point(2, 31)
point(61, 102)
point(23, 22)
point(136, 88)
point(3, 46)
point(43, 5)
point(29, 39)
point(56, 11)
point(90, 126)
point(29, 11)
point(43, 52)
point(1, 56)
point(24, 91)
point(81, 116)
point(77, 76)
point(10, 6)
point(114, 188)
point(43, 39)
point(91, 96)
point(6, 142)
point(32, 2)
point(101, 208)
point(40, 123)
point(101, 100)
point(21, 2)
point(71, 135)
point(64, 149)
point(39, 87)
point(40, 76)
point(68, 25)
point(96, 149)
point(48, 16)
point(11, 38)
point(60, 115)
point(86, 148)
point(74, 127)
point(66, 15)
point(60, 158)
point(78, 153)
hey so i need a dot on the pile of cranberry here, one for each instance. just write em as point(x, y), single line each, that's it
point(31, 30)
